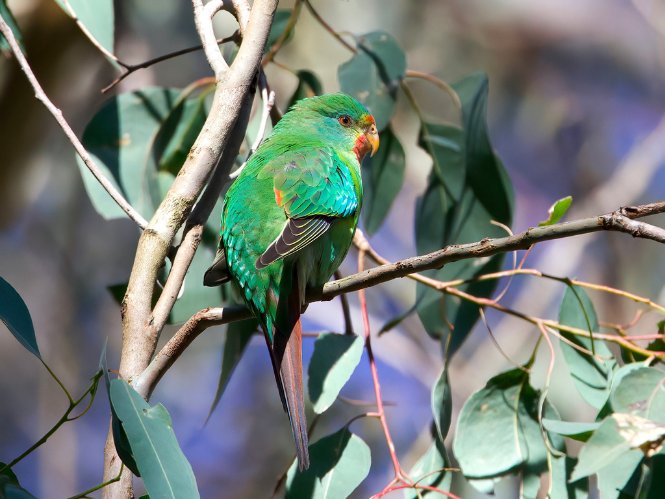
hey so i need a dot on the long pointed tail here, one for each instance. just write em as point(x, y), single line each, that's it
point(291, 378)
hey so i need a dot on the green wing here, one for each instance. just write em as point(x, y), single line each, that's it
point(314, 186)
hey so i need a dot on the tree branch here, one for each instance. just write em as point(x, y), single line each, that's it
point(139, 339)
point(78, 146)
point(408, 268)
point(202, 18)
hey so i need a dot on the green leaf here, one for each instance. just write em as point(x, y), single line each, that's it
point(119, 137)
point(334, 359)
point(195, 295)
point(177, 134)
point(656, 477)
point(560, 487)
point(442, 404)
point(16, 316)
point(468, 188)
point(238, 335)
point(373, 74)
point(557, 211)
point(119, 436)
point(383, 176)
point(620, 479)
point(641, 392)
point(9, 19)
point(339, 463)
point(592, 376)
point(507, 410)
point(576, 431)
point(97, 17)
point(309, 85)
point(618, 435)
point(164, 468)
point(279, 23)
point(435, 459)
point(10, 488)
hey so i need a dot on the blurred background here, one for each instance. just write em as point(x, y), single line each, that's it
point(577, 94)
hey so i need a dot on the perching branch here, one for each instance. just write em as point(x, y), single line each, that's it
point(409, 268)
point(57, 114)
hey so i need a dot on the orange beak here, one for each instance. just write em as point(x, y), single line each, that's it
point(373, 138)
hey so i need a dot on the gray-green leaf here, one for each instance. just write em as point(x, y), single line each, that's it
point(383, 176)
point(97, 17)
point(334, 359)
point(11, 22)
point(339, 463)
point(373, 74)
point(164, 468)
point(16, 316)
point(592, 375)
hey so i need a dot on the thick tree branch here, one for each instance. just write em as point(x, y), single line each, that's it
point(139, 338)
point(408, 268)
point(78, 146)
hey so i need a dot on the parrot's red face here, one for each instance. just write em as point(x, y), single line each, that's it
point(368, 138)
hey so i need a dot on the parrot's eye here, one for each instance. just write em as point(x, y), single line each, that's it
point(345, 120)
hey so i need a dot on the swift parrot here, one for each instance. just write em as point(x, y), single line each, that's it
point(287, 224)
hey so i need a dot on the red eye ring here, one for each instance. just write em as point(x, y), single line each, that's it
point(345, 120)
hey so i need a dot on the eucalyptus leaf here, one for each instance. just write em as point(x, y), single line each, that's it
point(309, 85)
point(621, 478)
point(119, 138)
point(429, 471)
point(7, 15)
point(339, 463)
point(498, 431)
point(177, 134)
point(164, 468)
point(641, 392)
point(560, 487)
point(557, 211)
point(238, 335)
point(16, 316)
point(10, 488)
point(467, 189)
point(335, 358)
point(373, 74)
point(618, 435)
point(442, 404)
point(592, 375)
point(383, 176)
point(576, 431)
point(97, 17)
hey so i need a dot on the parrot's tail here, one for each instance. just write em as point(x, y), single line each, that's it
point(287, 362)
point(290, 374)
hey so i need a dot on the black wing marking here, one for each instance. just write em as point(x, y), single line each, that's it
point(298, 233)
point(218, 273)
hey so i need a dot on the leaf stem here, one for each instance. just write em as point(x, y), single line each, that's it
point(329, 28)
point(412, 73)
point(97, 487)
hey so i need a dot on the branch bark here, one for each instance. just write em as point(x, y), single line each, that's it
point(209, 317)
point(139, 338)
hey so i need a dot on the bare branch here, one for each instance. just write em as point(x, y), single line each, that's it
point(202, 17)
point(177, 344)
point(233, 85)
point(131, 68)
point(78, 146)
point(408, 268)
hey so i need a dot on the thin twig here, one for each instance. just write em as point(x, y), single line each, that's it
point(411, 73)
point(100, 486)
point(329, 28)
point(78, 146)
point(346, 310)
point(400, 475)
point(131, 68)
point(268, 99)
point(202, 18)
point(295, 13)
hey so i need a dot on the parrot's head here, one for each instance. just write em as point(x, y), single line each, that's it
point(337, 118)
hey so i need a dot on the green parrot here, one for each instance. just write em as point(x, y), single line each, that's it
point(287, 224)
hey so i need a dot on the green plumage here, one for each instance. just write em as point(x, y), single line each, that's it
point(287, 223)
